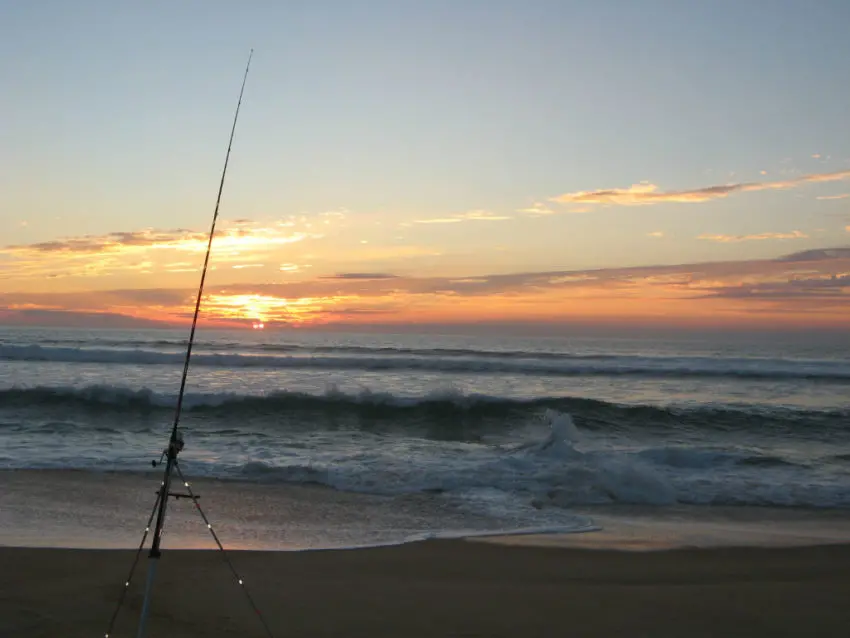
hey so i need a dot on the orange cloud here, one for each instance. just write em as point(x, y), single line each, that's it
point(807, 288)
point(111, 242)
point(794, 234)
point(646, 193)
point(439, 220)
point(266, 308)
point(538, 208)
point(149, 251)
point(473, 215)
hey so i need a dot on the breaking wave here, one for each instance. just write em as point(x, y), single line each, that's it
point(555, 472)
point(446, 413)
point(558, 464)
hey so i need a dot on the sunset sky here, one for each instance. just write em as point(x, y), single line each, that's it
point(536, 162)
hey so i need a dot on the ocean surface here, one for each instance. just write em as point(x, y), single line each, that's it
point(482, 433)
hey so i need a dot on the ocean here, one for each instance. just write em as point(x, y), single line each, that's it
point(377, 438)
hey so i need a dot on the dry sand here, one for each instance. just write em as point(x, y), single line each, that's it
point(437, 588)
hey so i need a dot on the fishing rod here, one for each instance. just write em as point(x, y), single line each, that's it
point(175, 442)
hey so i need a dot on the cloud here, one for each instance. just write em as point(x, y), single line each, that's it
point(66, 318)
point(794, 234)
point(646, 193)
point(538, 208)
point(818, 254)
point(657, 233)
point(231, 305)
point(571, 279)
point(483, 215)
point(239, 234)
point(829, 197)
point(361, 275)
point(834, 287)
point(241, 243)
point(692, 277)
point(111, 242)
point(473, 215)
point(439, 220)
point(813, 284)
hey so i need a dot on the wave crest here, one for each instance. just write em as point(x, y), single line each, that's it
point(445, 410)
point(557, 365)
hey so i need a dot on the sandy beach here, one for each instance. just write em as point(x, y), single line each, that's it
point(643, 571)
point(437, 588)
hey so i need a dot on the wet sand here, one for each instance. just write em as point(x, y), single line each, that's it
point(436, 588)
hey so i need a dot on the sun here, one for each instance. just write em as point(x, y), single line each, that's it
point(260, 309)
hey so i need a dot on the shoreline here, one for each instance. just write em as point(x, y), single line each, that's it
point(648, 529)
point(436, 587)
point(76, 509)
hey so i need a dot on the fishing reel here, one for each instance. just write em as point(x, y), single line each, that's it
point(175, 446)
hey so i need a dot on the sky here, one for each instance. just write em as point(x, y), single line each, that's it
point(407, 163)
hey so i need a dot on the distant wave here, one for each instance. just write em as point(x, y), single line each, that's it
point(260, 347)
point(248, 346)
point(445, 414)
point(530, 364)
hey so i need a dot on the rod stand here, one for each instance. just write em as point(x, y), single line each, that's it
point(175, 446)
point(178, 495)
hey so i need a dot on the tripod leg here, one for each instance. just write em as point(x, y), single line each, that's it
point(133, 568)
point(152, 562)
point(236, 575)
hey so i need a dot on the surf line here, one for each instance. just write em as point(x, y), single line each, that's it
point(175, 445)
